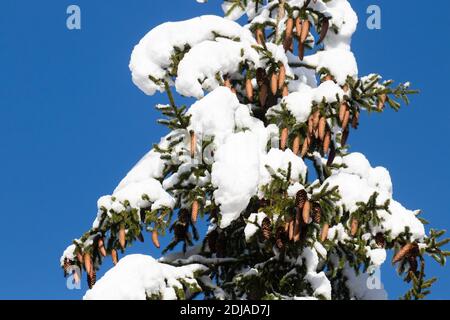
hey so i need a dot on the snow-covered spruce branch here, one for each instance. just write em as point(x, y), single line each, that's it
point(272, 96)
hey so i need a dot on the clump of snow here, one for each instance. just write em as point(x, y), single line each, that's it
point(318, 281)
point(340, 63)
point(152, 56)
point(137, 277)
point(254, 220)
point(214, 114)
point(199, 67)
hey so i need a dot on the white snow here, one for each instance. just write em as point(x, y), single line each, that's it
point(137, 276)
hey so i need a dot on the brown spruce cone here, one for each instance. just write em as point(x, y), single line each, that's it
point(122, 236)
point(91, 279)
point(305, 147)
point(212, 240)
point(114, 256)
point(305, 30)
point(354, 227)
point(317, 212)
point(101, 247)
point(380, 240)
point(382, 101)
point(193, 143)
point(342, 109)
point(301, 50)
point(260, 37)
point(289, 27)
point(274, 83)
point(297, 224)
point(327, 142)
point(155, 239)
point(300, 198)
point(310, 126)
point(291, 229)
point(346, 120)
point(80, 257)
point(249, 89)
point(406, 251)
point(281, 76)
point(323, 30)
point(194, 212)
point(355, 120)
point(322, 128)
point(324, 232)
point(296, 145)
point(280, 238)
point(413, 265)
point(298, 27)
point(285, 91)
point(263, 94)
point(87, 262)
point(316, 119)
point(266, 227)
point(331, 155)
point(284, 138)
point(345, 135)
point(306, 212)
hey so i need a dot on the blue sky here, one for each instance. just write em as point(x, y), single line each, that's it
point(73, 124)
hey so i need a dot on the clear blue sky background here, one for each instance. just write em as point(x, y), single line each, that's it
point(73, 124)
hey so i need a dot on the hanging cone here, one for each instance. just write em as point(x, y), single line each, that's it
point(80, 257)
point(87, 262)
point(284, 138)
point(91, 279)
point(289, 27)
point(296, 145)
point(355, 120)
point(274, 83)
point(101, 247)
point(305, 147)
point(114, 256)
point(327, 142)
point(305, 30)
point(331, 155)
point(291, 230)
point(345, 135)
point(301, 50)
point(342, 109)
point(266, 227)
point(259, 35)
point(306, 213)
point(297, 225)
point(263, 94)
point(281, 76)
point(227, 82)
point(310, 126)
point(194, 212)
point(346, 119)
point(317, 212)
point(122, 236)
point(212, 240)
point(298, 27)
point(288, 43)
point(316, 119)
point(382, 101)
point(193, 143)
point(280, 238)
point(354, 227)
point(322, 127)
point(324, 232)
point(300, 198)
point(380, 240)
point(249, 89)
point(412, 260)
point(285, 91)
point(155, 239)
point(405, 251)
point(323, 30)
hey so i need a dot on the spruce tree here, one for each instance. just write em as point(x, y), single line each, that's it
point(262, 159)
